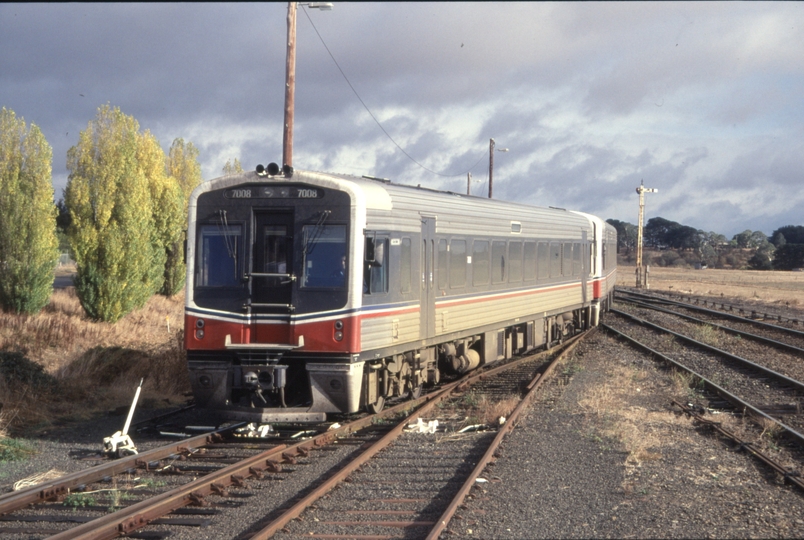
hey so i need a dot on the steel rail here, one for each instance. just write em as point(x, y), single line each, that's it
point(733, 331)
point(789, 474)
point(296, 510)
point(728, 396)
point(16, 500)
point(504, 430)
point(139, 515)
point(713, 312)
point(798, 385)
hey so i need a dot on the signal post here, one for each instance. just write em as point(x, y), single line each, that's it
point(641, 272)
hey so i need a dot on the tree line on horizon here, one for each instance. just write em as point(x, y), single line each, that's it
point(123, 215)
point(683, 245)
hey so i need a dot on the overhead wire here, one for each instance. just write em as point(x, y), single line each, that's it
point(485, 153)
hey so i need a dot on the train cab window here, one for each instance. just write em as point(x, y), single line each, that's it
point(529, 266)
point(514, 262)
point(275, 256)
point(480, 262)
point(375, 267)
point(442, 264)
point(219, 249)
point(555, 259)
point(325, 256)
point(405, 266)
point(457, 263)
point(497, 262)
point(543, 260)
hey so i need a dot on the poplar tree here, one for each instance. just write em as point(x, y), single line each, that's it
point(112, 233)
point(28, 243)
point(232, 168)
point(183, 166)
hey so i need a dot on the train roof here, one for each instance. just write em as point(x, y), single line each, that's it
point(382, 196)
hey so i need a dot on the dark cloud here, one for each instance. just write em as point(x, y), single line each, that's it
point(694, 98)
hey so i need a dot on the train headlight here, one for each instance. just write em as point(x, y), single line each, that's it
point(338, 325)
point(199, 328)
point(338, 336)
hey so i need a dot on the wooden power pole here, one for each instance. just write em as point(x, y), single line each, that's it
point(290, 87)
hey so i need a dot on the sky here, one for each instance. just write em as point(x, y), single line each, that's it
point(703, 101)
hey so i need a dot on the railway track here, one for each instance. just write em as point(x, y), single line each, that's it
point(726, 381)
point(172, 490)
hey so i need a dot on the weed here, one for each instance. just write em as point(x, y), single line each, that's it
point(151, 483)
point(14, 450)
point(117, 497)
point(79, 500)
point(571, 368)
point(470, 399)
point(708, 334)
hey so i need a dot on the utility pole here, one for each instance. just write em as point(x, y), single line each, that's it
point(641, 274)
point(290, 78)
point(290, 87)
point(491, 165)
point(468, 183)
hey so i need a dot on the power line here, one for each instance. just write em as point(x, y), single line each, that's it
point(485, 153)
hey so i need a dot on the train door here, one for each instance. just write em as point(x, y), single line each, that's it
point(427, 328)
point(272, 262)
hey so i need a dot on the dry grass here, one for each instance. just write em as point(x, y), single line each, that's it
point(641, 432)
point(96, 365)
point(768, 286)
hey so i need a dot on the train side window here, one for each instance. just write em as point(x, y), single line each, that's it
point(480, 262)
point(405, 266)
point(457, 263)
point(442, 264)
point(543, 260)
point(530, 261)
point(515, 262)
point(566, 260)
point(605, 262)
point(497, 262)
point(324, 256)
point(555, 259)
point(576, 259)
point(375, 271)
point(219, 249)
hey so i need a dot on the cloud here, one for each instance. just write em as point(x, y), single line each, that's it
point(698, 99)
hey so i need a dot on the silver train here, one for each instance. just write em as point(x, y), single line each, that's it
point(312, 293)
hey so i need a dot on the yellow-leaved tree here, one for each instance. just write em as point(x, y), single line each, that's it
point(182, 164)
point(28, 243)
point(113, 235)
point(232, 168)
point(168, 210)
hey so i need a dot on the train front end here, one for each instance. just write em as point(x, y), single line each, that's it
point(270, 331)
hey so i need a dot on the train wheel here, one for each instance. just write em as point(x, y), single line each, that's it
point(416, 393)
point(377, 406)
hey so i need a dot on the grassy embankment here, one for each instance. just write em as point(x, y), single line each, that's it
point(57, 366)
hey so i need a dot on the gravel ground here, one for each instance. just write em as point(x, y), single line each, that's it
point(599, 454)
point(602, 455)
